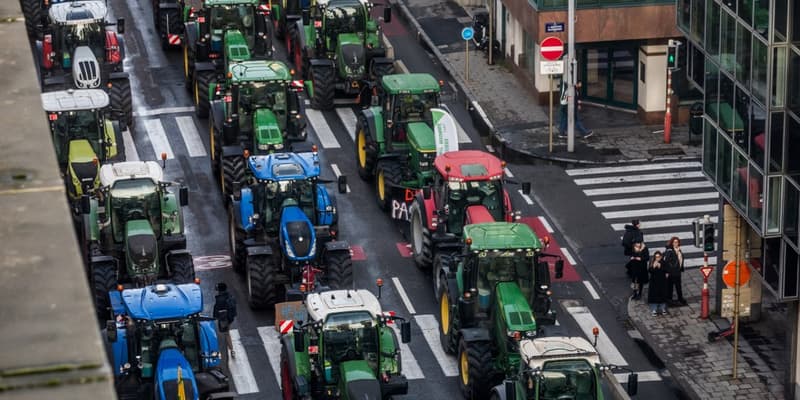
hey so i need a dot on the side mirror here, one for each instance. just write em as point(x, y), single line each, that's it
point(183, 196)
point(633, 384)
point(559, 269)
point(542, 276)
point(426, 192)
point(405, 331)
point(299, 339)
point(342, 184)
point(120, 25)
point(86, 204)
point(387, 14)
point(306, 17)
point(511, 389)
point(111, 331)
point(222, 320)
point(526, 188)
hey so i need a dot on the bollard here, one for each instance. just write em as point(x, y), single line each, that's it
point(706, 271)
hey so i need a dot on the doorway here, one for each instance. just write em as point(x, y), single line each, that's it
point(609, 75)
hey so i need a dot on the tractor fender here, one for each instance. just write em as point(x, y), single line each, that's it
point(217, 115)
point(259, 250)
point(426, 208)
point(298, 25)
point(475, 335)
point(298, 374)
point(338, 245)
point(232, 151)
point(499, 392)
point(189, 29)
point(321, 62)
point(209, 342)
point(243, 210)
point(452, 290)
point(118, 75)
point(224, 396)
point(121, 46)
point(176, 252)
point(55, 81)
point(325, 199)
point(378, 61)
point(204, 66)
point(373, 119)
point(509, 210)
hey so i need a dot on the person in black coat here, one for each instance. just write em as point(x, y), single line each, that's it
point(632, 235)
point(673, 260)
point(657, 292)
point(637, 268)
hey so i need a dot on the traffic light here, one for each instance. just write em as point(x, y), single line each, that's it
point(672, 55)
point(708, 237)
point(698, 233)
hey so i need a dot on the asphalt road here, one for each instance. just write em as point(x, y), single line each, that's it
point(165, 122)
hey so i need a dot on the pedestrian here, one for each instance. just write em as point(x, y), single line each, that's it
point(637, 269)
point(673, 260)
point(632, 235)
point(577, 106)
point(225, 312)
point(658, 286)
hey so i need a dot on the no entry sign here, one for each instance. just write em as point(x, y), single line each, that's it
point(551, 48)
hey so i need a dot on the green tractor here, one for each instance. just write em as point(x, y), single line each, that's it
point(221, 32)
point(286, 12)
point(340, 51)
point(395, 140)
point(493, 294)
point(133, 230)
point(83, 136)
point(257, 110)
point(346, 349)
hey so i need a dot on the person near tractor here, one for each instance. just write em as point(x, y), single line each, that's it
point(225, 313)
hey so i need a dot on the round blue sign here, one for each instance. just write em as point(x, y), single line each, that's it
point(467, 33)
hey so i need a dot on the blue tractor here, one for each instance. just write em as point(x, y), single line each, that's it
point(163, 348)
point(283, 230)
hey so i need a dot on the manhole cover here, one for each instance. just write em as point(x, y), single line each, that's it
point(669, 151)
point(609, 151)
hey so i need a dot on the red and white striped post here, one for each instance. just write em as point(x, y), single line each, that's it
point(668, 114)
point(706, 271)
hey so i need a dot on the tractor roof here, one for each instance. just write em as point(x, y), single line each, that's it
point(285, 166)
point(163, 301)
point(469, 165)
point(212, 3)
point(501, 236)
point(341, 3)
point(74, 100)
point(111, 173)
point(320, 305)
point(410, 84)
point(259, 70)
point(538, 351)
point(77, 12)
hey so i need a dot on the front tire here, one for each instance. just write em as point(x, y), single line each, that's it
point(104, 279)
point(339, 270)
point(121, 100)
point(420, 237)
point(236, 236)
point(474, 368)
point(261, 286)
point(232, 170)
point(365, 157)
point(323, 80)
point(182, 268)
point(202, 80)
point(169, 21)
point(387, 176)
point(446, 330)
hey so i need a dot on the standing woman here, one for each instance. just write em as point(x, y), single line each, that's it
point(673, 258)
point(637, 267)
point(657, 291)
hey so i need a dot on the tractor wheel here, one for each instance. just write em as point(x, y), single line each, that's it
point(441, 263)
point(232, 171)
point(387, 175)
point(202, 80)
point(262, 290)
point(104, 279)
point(169, 21)
point(279, 25)
point(420, 238)
point(365, 158)
point(287, 385)
point(182, 268)
point(32, 10)
point(323, 79)
point(381, 69)
point(236, 236)
point(339, 270)
point(297, 51)
point(119, 128)
point(474, 368)
point(216, 147)
point(446, 335)
point(121, 99)
point(188, 67)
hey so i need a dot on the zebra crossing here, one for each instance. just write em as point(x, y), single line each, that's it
point(665, 196)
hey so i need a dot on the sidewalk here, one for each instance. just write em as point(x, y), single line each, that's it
point(517, 126)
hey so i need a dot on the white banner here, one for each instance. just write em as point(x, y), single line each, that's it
point(445, 132)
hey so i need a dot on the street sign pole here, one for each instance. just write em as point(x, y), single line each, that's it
point(736, 298)
point(551, 113)
point(466, 62)
point(491, 32)
point(570, 76)
point(467, 34)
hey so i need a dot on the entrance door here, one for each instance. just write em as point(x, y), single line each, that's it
point(609, 75)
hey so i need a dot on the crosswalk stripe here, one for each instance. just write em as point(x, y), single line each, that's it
point(411, 368)
point(609, 353)
point(162, 111)
point(638, 178)
point(665, 188)
point(644, 376)
point(632, 168)
point(158, 138)
point(239, 366)
point(698, 262)
point(349, 119)
point(326, 137)
point(704, 208)
point(338, 173)
point(633, 201)
point(191, 138)
point(663, 237)
point(664, 223)
point(272, 345)
point(131, 154)
point(430, 330)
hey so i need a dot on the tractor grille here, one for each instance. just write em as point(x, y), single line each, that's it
point(88, 74)
point(171, 390)
point(426, 161)
point(86, 174)
point(353, 55)
point(142, 251)
point(299, 237)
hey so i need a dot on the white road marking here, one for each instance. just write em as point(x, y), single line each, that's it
point(525, 197)
point(608, 352)
point(664, 223)
point(161, 111)
point(349, 120)
point(307, 102)
point(191, 137)
point(665, 188)
point(402, 292)
point(508, 172)
point(410, 365)
point(131, 154)
point(644, 376)
point(272, 345)
point(546, 224)
point(568, 255)
point(462, 136)
point(638, 178)
point(338, 173)
point(490, 148)
point(324, 133)
point(401, 66)
point(632, 168)
point(704, 208)
point(684, 236)
point(591, 290)
point(698, 262)
point(430, 330)
point(241, 372)
point(158, 139)
point(634, 201)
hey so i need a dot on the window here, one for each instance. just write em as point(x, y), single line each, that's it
point(774, 205)
point(712, 29)
point(761, 17)
point(795, 18)
point(792, 146)
point(791, 198)
point(781, 14)
point(727, 52)
point(740, 180)
point(697, 70)
point(711, 89)
point(756, 136)
point(698, 16)
point(683, 14)
point(779, 77)
point(759, 82)
point(776, 142)
point(755, 196)
point(741, 132)
point(793, 100)
point(789, 271)
point(745, 8)
point(743, 44)
point(709, 149)
point(772, 261)
point(729, 118)
point(724, 155)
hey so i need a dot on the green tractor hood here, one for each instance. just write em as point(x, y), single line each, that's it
point(357, 380)
point(141, 248)
point(516, 310)
point(83, 172)
point(267, 130)
point(236, 46)
point(420, 135)
point(350, 54)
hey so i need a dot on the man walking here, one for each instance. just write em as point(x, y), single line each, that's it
point(225, 313)
point(562, 126)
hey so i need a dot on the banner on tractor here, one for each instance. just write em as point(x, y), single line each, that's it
point(444, 131)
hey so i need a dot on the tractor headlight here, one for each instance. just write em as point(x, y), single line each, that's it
point(262, 146)
point(530, 334)
point(278, 146)
point(330, 208)
point(289, 250)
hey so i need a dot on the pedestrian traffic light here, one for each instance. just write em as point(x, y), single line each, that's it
point(672, 55)
point(708, 237)
point(698, 233)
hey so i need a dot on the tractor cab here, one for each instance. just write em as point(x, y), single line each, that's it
point(233, 26)
point(560, 367)
point(407, 102)
point(344, 23)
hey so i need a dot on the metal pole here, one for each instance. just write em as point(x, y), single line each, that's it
point(668, 114)
point(736, 298)
point(466, 62)
point(551, 113)
point(491, 32)
point(704, 292)
point(570, 76)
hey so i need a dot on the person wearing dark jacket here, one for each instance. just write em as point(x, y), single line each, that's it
point(673, 260)
point(632, 235)
point(637, 268)
point(657, 290)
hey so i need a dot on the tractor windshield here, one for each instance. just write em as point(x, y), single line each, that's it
point(74, 125)
point(415, 107)
point(134, 199)
point(270, 95)
point(272, 196)
point(350, 336)
point(156, 336)
point(231, 17)
point(505, 266)
point(567, 379)
point(348, 18)
point(91, 34)
point(488, 193)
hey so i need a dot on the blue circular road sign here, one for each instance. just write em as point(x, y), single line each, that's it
point(467, 33)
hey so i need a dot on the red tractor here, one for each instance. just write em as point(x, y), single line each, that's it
point(468, 188)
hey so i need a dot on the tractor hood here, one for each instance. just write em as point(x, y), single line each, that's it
point(351, 53)
point(85, 68)
point(141, 247)
point(268, 132)
point(359, 381)
point(84, 172)
point(297, 234)
point(171, 364)
point(163, 301)
point(236, 46)
point(420, 135)
point(516, 310)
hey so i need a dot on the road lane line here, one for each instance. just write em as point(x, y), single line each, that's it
point(430, 330)
point(638, 178)
point(591, 290)
point(644, 376)
point(410, 366)
point(272, 345)
point(131, 154)
point(508, 172)
point(546, 224)
point(525, 197)
point(704, 208)
point(685, 236)
point(698, 262)
point(161, 111)
point(326, 137)
point(349, 120)
point(403, 295)
point(634, 201)
point(194, 145)
point(608, 352)
point(158, 138)
point(666, 188)
point(632, 168)
point(664, 223)
point(568, 255)
point(240, 369)
point(338, 173)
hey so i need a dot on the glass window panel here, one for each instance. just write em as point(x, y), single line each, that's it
point(712, 90)
point(730, 4)
point(761, 17)
point(795, 22)
point(698, 18)
point(740, 180)
point(781, 15)
point(759, 83)
point(774, 205)
point(779, 77)
point(729, 119)
point(724, 156)
point(741, 121)
point(727, 52)
point(743, 44)
point(792, 145)
point(745, 8)
point(776, 142)
point(772, 262)
point(758, 140)
point(791, 197)
point(755, 196)
point(698, 70)
point(712, 29)
point(683, 14)
point(709, 149)
point(789, 272)
point(793, 90)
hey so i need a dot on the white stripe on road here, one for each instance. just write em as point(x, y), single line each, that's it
point(410, 365)
point(663, 237)
point(131, 154)
point(508, 172)
point(546, 224)
point(272, 345)
point(338, 173)
point(403, 295)
point(430, 330)
point(644, 376)
point(158, 139)
point(632, 168)
point(324, 133)
point(664, 223)
point(591, 290)
point(666, 188)
point(568, 255)
point(191, 138)
point(634, 201)
point(242, 375)
point(161, 111)
point(608, 352)
point(525, 197)
point(349, 120)
point(698, 262)
point(661, 211)
point(638, 178)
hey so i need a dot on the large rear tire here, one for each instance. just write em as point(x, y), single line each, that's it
point(182, 268)
point(32, 10)
point(387, 175)
point(236, 236)
point(323, 79)
point(262, 290)
point(232, 170)
point(475, 368)
point(365, 157)
point(339, 270)
point(121, 100)
point(104, 279)
point(202, 80)
point(420, 237)
point(447, 335)
point(381, 69)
